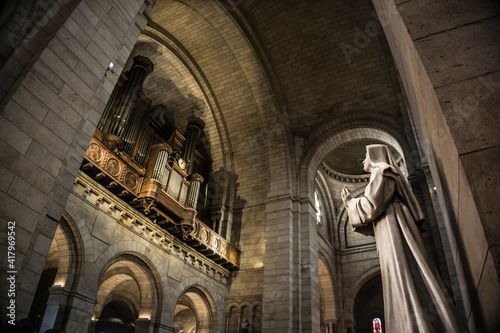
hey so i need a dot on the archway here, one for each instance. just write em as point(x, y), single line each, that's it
point(129, 295)
point(337, 163)
point(117, 316)
point(328, 308)
point(369, 306)
point(194, 312)
point(59, 277)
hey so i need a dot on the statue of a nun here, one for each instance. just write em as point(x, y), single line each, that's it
point(415, 299)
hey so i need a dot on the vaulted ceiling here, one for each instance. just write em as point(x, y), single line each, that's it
point(260, 73)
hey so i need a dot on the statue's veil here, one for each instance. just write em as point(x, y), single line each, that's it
point(379, 156)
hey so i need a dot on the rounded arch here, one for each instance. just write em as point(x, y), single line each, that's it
point(133, 276)
point(235, 73)
point(354, 289)
point(328, 302)
point(369, 304)
point(331, 135)
point(195, 300)
point(120, 308)
point(62, 269)
point(176, 291)
point(68, 243)
point(243, 315)
point(328, 206)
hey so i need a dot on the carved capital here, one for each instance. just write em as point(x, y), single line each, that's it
point(197, 123)
point(196, 177)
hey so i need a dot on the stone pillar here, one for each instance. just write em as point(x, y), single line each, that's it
point(80, 311)
point(221, 210)
point(309, 276)
point(140, 69)
point(453, 282)
point(56, 308)
point(195, 127)
point(163, 328)
point(143, 325)
point(278, 313)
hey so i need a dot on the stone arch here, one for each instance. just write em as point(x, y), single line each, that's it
point(328, 301)
point(198, 300)
point(131, 275)
point(326, 138)
point(231, 317)
point(185, 66)
point(369, 304)
point(330, 135)
point(328, 206)
point(238, 65)
point(354, 289)
point(178, 290)
point(235, 312)
point(70, 267)
point(64, 259)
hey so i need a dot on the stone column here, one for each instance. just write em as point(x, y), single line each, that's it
point(278, 306)
point(195, 127)
point(140, 69)
point(55, 310)
point(80, 311)
point(143, 325)
point(223, 202)
point(309, 276)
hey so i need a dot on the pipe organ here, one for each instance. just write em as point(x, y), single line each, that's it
point(152, 169)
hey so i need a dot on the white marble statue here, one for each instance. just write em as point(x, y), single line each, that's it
point(415, 299)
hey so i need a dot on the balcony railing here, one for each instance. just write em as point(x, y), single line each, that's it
point(162, 190)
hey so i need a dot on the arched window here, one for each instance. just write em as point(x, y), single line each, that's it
point(377, 325)
point(318, 206)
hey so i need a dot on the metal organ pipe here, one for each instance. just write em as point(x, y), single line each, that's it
point(108, 108)
point(195, 127)
point(140, 69)
point(194, 191)
point(133, 130)
point(161, 161)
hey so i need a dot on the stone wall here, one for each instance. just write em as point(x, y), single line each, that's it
point(113, 234)
point(450, 88)
point(47, 123)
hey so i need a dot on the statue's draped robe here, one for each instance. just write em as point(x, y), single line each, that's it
point(415, 299)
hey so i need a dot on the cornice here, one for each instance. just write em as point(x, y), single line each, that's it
point(97, 196)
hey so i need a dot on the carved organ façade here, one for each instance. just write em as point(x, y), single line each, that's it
point(154, 168)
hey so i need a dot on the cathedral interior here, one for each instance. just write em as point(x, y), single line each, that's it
point(176, 165)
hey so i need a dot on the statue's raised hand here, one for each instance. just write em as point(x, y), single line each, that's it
point(346, 196)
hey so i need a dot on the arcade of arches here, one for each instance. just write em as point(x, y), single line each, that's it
point(176, 165)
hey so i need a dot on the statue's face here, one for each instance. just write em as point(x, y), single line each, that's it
point(366, 163)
